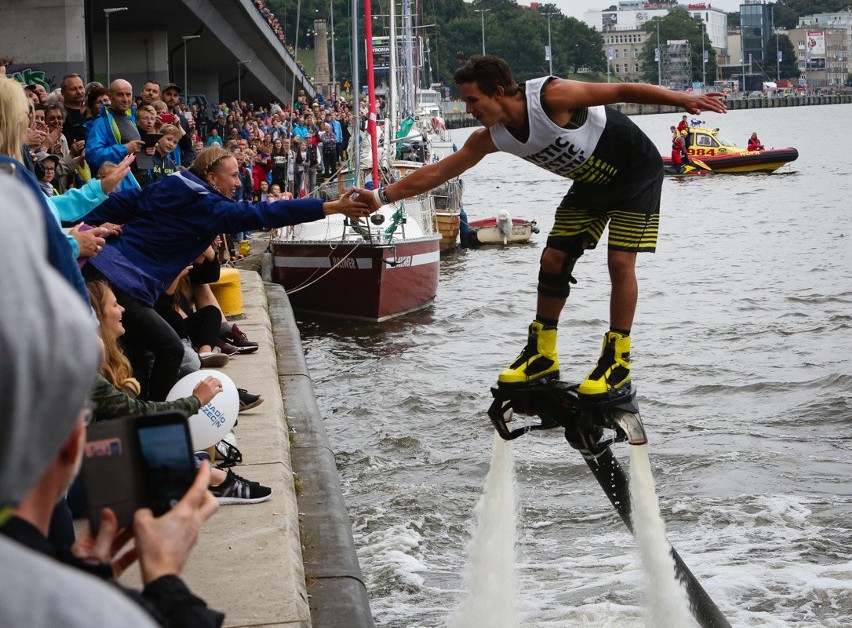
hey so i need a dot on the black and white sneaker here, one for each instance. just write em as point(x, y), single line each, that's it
point(248, 400)
point(238, 490)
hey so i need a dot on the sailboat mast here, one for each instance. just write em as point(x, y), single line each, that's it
point(356, 90)
point(393, 103)
point(408, 68)
point(371, 92)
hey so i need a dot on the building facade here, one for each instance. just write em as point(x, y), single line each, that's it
point(624, 50)
point(632, 16)
point(822, 55)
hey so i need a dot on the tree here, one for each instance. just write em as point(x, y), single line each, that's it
point(789, 66)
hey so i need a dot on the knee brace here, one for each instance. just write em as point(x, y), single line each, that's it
point(559, 284)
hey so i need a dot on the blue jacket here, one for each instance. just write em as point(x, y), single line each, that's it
point(171, 222)
point(104, 144)
point(338, 130)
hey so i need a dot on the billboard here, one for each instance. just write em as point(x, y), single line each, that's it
point(381, 51)
point(816, 43)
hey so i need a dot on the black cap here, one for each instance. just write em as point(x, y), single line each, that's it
point(169, 86)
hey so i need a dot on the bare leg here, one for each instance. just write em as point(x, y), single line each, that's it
point(625, 289)
point(203, 295)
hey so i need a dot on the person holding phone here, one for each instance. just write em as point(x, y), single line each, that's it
point(41, 446)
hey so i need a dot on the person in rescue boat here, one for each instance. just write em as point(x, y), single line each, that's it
point(564, 127)
point(754, 143)
point(680, 156)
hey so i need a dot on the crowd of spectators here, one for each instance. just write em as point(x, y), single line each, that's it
point(120, 203)
point(275, 25)
point(293, 148)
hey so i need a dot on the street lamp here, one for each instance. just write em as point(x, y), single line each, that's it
point(608, 61)
point(549, 46)
point(482, 13)
point(659, 58)
point(703, 56)
point(333, 62)
point(185, 39)
point(107, 13)
point(239, 86)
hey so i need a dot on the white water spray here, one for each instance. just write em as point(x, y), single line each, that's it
point(668, 602)
point(491, 599)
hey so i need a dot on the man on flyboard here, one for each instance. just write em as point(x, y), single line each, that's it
point(564, 127)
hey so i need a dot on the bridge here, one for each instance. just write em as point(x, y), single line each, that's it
point(235, 51)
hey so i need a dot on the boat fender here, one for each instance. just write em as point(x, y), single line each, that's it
point(557, 284)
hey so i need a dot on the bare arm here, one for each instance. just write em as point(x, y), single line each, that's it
point(565, 95)
point(477, 146)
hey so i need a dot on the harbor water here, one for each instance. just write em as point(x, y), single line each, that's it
point(742, 358)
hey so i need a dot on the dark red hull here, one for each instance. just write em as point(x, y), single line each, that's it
point(366, 281)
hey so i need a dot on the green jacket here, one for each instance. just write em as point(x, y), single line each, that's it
point(108, 402)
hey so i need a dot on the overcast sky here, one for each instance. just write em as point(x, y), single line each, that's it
point(575, 8)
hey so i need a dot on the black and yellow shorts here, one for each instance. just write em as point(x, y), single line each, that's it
point(633, 215)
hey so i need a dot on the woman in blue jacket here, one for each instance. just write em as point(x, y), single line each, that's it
point(167, 226)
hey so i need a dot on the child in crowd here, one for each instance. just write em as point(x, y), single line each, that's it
point(46, 171)
point(164, 165)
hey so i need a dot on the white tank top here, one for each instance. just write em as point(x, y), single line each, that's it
point(566, 152)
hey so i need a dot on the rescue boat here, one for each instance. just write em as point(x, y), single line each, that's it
point(723, 156)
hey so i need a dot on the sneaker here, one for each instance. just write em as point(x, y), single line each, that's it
point(237, 338)
point(213, 359)
point(538, 361)
point(248, 400)
point(238, 490)
point(613, 369)
point(226, 347)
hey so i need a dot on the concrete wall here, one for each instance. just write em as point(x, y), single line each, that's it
point(46, 39)
point(135, 57)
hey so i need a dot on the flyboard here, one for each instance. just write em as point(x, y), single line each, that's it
point(592, 425)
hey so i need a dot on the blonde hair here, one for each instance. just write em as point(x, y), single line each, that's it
point(146, 109)
point(14, 108)
point(170, 129)
point(116, 367)
point(105, 169)
point(159, 106)
point(208, 160)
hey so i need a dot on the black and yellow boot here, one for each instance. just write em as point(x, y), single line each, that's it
point(538, 361)
point(613, 369)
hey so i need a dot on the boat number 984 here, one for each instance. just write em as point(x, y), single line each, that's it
point(702, 152)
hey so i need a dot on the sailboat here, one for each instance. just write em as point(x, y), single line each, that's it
point(373, 271)
point(421, 136)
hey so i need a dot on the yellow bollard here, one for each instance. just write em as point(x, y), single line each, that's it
point(229, 292)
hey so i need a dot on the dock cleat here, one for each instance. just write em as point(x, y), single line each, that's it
point(613, 368)
point(538, 361)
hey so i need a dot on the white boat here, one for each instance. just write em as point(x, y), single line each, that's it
point(502, 229)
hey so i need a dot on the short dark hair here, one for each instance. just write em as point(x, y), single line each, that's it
point(69, 76)
point(489, 73)
point(93, 95)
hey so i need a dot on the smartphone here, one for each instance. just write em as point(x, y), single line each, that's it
point(133, 463)
point(168, 118)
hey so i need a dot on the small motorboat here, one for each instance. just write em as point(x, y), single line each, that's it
point(723, 156)
point(502, 229)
